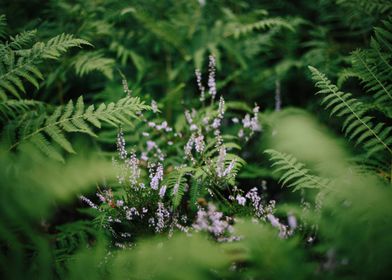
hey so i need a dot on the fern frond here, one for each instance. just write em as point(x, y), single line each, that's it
point(21, 40)
point(176, 181)
point(237, 29)
point(373, 6)
point(86, 63)
point(294, 173)
point(11, 109)
point(71, 236)
point(17, 66)
point(357, 125)
point(383, 36)
point(3, 25)
point(75, 118)
point(59, 44)
point(375, 77)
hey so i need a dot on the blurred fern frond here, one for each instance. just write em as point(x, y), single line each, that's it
point(73, 118)
point(294, 173)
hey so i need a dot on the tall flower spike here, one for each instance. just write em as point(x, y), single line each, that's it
point(278, 98)
point(121, 145)
point(200, 85)
point(211, 76)
point(134, 170)
point(156, 177)
point(220, 162)
point(221, 109)
point(189, 145)
point(154, 106)
point(229, 168)
point(162, 191)
point(126, 89)
point(199, 143)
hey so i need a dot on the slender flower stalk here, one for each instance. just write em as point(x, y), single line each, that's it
point(211, 77)
point(121, 145)
point(200, 85)
point(220, 163)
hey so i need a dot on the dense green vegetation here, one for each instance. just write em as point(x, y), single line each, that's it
point(196, 139)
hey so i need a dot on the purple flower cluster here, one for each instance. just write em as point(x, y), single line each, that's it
point(212, 221)
point(156, 176)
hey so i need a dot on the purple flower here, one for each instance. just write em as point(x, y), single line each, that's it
point(220, 162)
point(121, 145)
point(240, 199)
point(156, 176)
point(200, 85)
point(211, 77)
point(162, 191)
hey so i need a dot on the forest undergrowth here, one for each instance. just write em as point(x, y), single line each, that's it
point(195, 139)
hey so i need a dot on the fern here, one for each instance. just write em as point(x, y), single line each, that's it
point(3, 25)
point(18, 64)
point(176, 181)
point(74, 118)
point(294, 173)
point(373, 66)
point(375, 78)
point(12, 109)
point(21, 40)
point(373, 6)
point(357, 125)
point(94, 61)
point(237, 29)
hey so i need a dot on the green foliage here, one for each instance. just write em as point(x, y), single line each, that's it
point(176, 182)
point(336, 225)
point(295, 174)
point(31, 184)
point(94, 61)
point(357, 126)
point(72, 118)
point(378, 6)
point(19, 62)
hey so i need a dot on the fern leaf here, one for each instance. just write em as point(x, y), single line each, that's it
point(3, 25)
point(238, 29)
point(12, 109)
point(44, 146)
point(176, 181)
point(86, 63)
point(294, 173)
point(22, 39)
point(18, 65)
point(75, 118)
point(375, 80)
point(59, 44)
point(356, 125)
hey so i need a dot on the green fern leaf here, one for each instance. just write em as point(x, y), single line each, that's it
point(294, 173)
point(176, 181)
point(357, 125)
point(74, 118)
